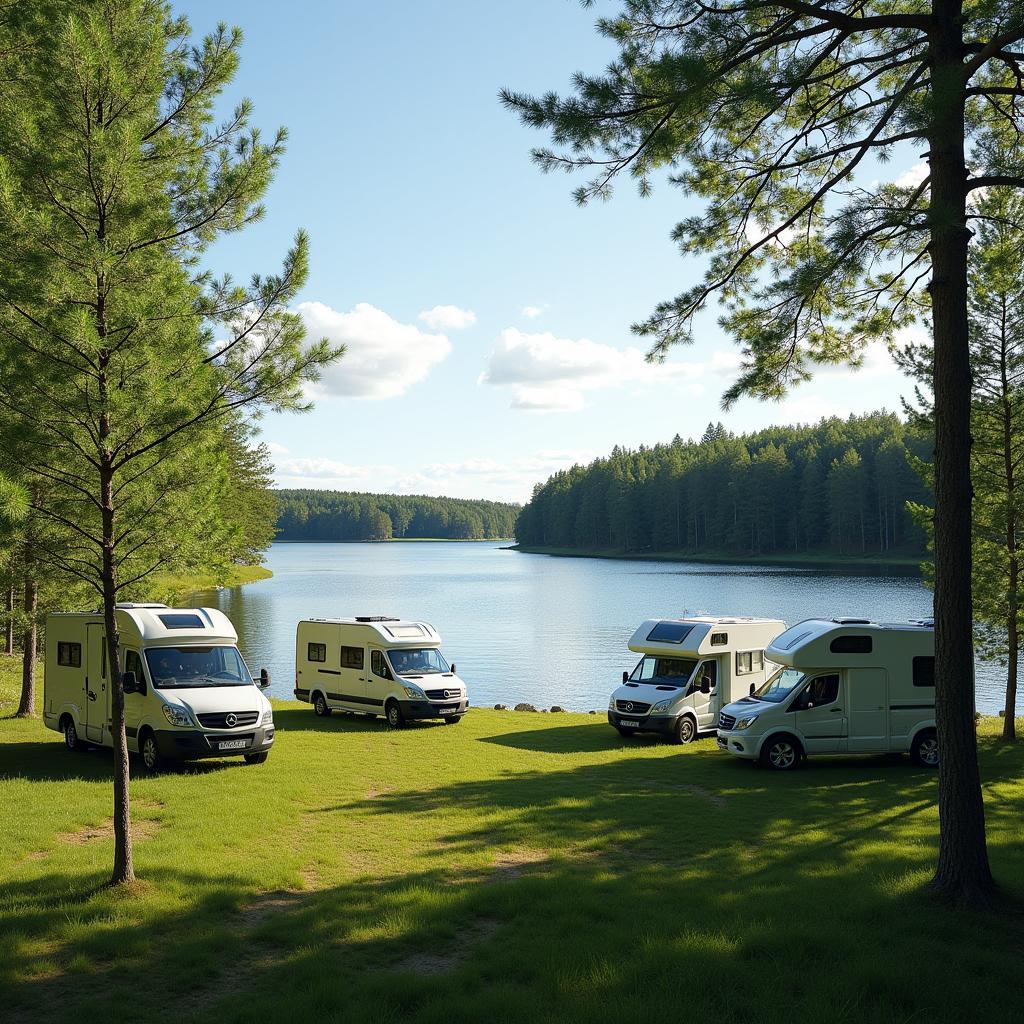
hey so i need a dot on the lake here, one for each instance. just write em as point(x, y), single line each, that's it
point(536, 628)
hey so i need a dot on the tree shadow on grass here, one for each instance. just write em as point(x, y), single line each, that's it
point(572, 739)
point(302, 720)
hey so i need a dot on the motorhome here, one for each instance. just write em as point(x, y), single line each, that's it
point(844, 686)
point(187, 691)
point(690, 669)
point(376, 665)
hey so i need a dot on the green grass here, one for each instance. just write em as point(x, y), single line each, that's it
point(173, 588)
point(904, 563)
point(513, 868)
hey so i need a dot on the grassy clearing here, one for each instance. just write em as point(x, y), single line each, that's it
point(172, 588)
point(903, 565)
point(513, 868)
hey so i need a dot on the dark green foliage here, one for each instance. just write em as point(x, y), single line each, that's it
point(351, 516)
point(839, 487)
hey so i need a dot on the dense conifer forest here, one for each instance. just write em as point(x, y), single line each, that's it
point(839, 487)
point(352, 516)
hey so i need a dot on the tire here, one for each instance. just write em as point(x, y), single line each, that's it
point(924, 751)
point(453, 721)
point(625, 733)
point(150, 753)
point(685, 730)
point(258, 758)
point(71, 740)
point(393, 714)
point(320, 705)
point(782, 753)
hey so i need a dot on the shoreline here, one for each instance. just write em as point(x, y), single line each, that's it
point(173, 588)
point(879, 566)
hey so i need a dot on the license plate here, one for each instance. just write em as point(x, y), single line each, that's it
point(448, 711)
point(232, 744)
point(629, 724)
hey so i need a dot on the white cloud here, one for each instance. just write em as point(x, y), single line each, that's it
point(384, 357)
point(276, 449)
point(545, 372)
point(913, 176)
point(532, 312)
point(448, 318)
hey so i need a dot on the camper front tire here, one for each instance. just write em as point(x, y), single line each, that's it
point(925, 749)
point(71, 740)
point(685, 730)
point(782, 753)
point(394, 715)
point(150, 752)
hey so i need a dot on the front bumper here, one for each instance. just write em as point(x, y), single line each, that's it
point(187, 744)
point(738, 743)
point(663, 725)
point(417, 709)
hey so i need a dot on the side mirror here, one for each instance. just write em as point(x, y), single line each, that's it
point(625, 677)
point(453, 668)
point(130, 683)
point(752, 688)
point(705, 685)
point(264, 679)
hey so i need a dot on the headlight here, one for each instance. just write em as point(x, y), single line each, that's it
point(746, 723)
point(414, 693)
point(611, 703)
point(268, 717)
point(177, 716)
point(662, 705)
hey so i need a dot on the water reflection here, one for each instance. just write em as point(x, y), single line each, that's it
point(535, 628)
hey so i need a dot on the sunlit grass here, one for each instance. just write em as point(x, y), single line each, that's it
point(513, 868)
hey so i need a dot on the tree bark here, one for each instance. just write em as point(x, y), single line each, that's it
point(962, 874)
point(1013, 576)
point(27, 704)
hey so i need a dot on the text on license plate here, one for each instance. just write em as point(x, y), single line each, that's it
point(447, 711)
point(232, 744)
point(629, 724)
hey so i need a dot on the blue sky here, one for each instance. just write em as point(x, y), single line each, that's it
point(418, 192)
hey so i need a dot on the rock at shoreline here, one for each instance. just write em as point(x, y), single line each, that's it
point(501, 707)
point(524, 707)
point(555, 708)
point(591, 712)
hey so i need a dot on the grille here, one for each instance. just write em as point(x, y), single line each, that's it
point(218, 719)
point(452, 694)
point(632, 707)
point(726, 721)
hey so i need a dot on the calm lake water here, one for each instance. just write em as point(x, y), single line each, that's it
point(536, 628)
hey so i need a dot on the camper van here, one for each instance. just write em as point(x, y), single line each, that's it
point(845, 686)
point(187, 691)
point(377, 665)
point(690, 668)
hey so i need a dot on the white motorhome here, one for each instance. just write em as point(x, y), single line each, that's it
point(188, 693)
point(377, 665)
point(690, 668)
point(846, 686)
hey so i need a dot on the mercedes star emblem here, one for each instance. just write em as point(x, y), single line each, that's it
point(230, 719)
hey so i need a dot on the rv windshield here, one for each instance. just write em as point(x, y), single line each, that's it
point(780, 686)
point(417, 661)
point(663, 671)
point(180, 668)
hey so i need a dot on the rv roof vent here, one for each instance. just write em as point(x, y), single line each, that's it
point(846, 621)
point(376, 618)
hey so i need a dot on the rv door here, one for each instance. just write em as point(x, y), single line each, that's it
point(869, 709)
point(97, 698)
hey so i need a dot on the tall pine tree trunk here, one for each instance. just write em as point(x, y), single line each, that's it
point(962, 874)
point(27, 704)
point(1013, 577)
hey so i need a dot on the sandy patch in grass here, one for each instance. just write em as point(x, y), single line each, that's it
point(511, 863)
point(436, 963)
point(267, 903)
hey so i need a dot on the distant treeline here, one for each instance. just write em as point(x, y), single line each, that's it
point(839, 487)
point(348, 515)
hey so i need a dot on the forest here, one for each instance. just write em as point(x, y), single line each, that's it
point(839, 487)
point(312, 515)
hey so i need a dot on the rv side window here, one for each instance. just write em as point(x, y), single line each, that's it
point(818, 692)
point(352, 657)
point(379, 665)
point(749, 661)
point(850, 645)
point(316, 652)
point(719, 639)
point(69, 655)
point(924, 671)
